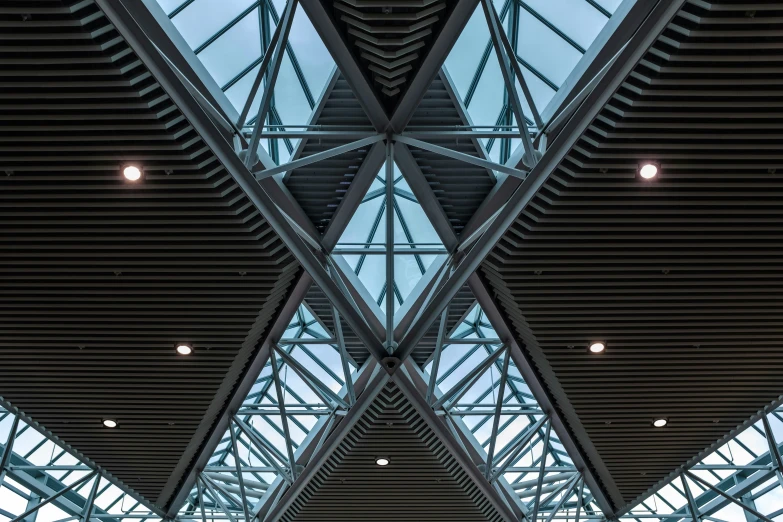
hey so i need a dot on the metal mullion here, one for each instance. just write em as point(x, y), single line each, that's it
point(371, 235)
point(55, 496)
point(324, 392)
point(209, 41)
point(541, 76)
point(179, 9)
point(436, 356)
point(294, 61)
point(37, 447)
point(293, 418)
point(390, 211)
point(458, 364)
point(496, 420)
point(728, 497)
point(217, 498)
point(598, 7)
point(483, 62)
point(274, 118)
point(267, 101)
point(551, 26)
point(406, 231)
point(238, 466)
point(338, 331)
point(404, 194)
point(541, 472)
point(320, 364)
point(495, 26)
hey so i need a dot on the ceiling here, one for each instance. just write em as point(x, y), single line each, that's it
point(680, 275)
point(389, 41)
point(425, 483)
point(100, 277)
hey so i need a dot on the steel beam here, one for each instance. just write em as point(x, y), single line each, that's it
point(359, 186)
point(263, 173)
point(352, 71)
point(502, 220)
point(542, 397)
point(452, 444)
point(437, 52)
point(269, 89)
point(376, 383)
point(460, 156)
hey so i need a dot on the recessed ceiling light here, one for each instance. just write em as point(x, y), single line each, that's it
point(597, 347)
point(660, 423)
point(110, 423)
point(184, 349)
point(648, 170)
point(131, 172)
point(382, 461)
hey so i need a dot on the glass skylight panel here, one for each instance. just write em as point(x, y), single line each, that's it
point(37, 464)
point(743, 464)
point(520, 464)
point(228, 37)
point(259, 426)
point(367, 230)
point(549, 39)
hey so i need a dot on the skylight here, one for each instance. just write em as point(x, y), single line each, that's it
point(742, 467)
point(412, 231)
point(228, 38)
point(549, 38)
point(38, 467)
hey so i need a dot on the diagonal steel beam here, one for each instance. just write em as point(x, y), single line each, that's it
point(263, 173)
point(181, 96)
point(542, 397)
point(432, 62)
point(475, 252)
point(461, 156)
point(353, 72)
point(359, 186)
point(450, 441)
point(377, 381)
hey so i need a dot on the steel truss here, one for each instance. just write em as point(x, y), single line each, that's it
point(38, 472)
point(309, 391)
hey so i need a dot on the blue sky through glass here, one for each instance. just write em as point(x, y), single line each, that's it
point(411, 225)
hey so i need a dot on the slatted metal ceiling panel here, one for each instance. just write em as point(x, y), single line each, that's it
point(390, 40)
point(459, 187)
point(99, 277)
point(682, 275)
point(423, 482)
point(319, 188)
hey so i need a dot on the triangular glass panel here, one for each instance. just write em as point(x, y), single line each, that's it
point(366, 231)
point(489, 400)
point(549, 40)
point(229, 39)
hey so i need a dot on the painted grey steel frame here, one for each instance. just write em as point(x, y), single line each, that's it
point(232, 495)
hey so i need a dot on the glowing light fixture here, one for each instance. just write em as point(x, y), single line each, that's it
point(648, 170)
point(660, 423)
point(382, 461)
point(184, 349)
point(131, 172)
point(597, 347)
point(110, 423)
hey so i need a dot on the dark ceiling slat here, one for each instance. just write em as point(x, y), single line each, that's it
point(99, 278)
point(679, 275)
